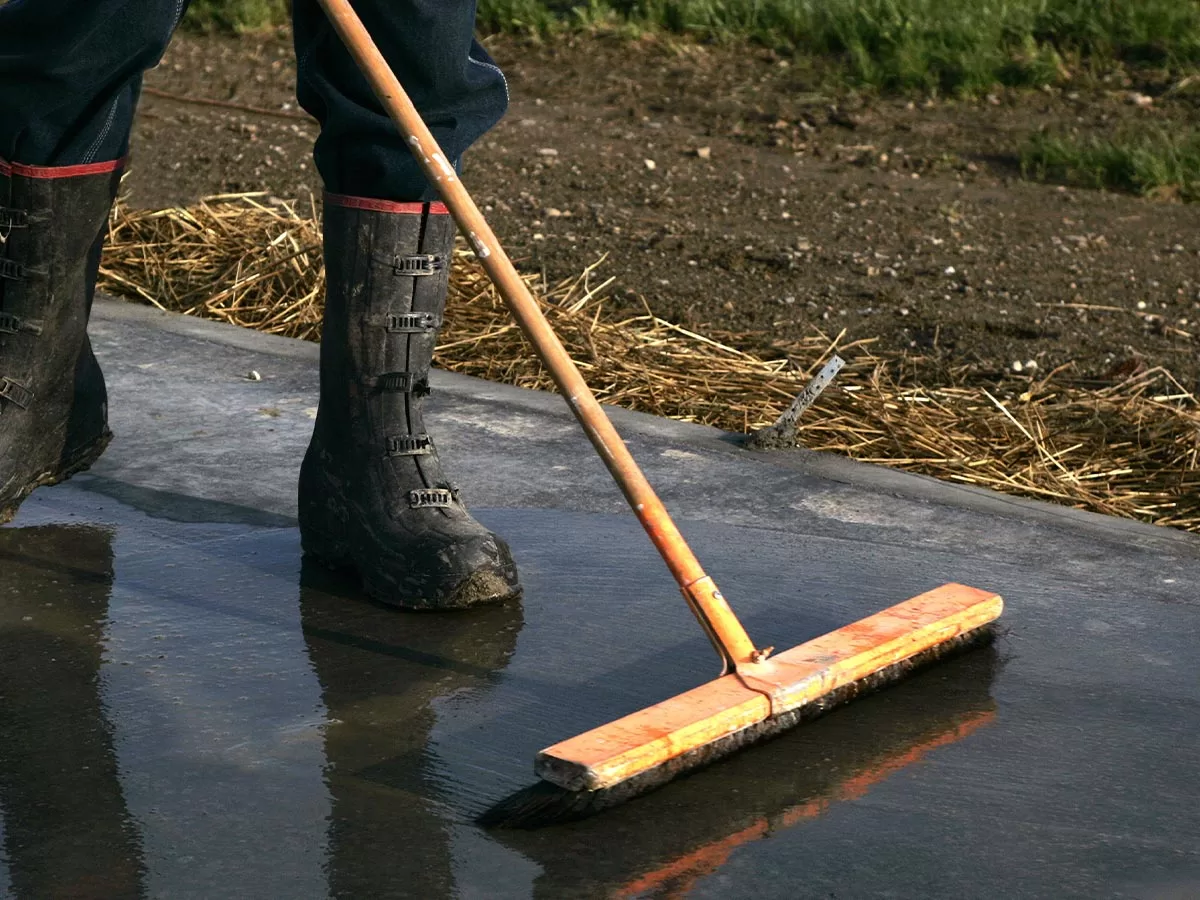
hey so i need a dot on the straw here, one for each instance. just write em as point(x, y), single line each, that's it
point(1128, 449)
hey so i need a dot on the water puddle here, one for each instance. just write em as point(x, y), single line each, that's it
point(189, 710)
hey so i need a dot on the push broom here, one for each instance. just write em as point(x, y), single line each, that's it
point(758, 694)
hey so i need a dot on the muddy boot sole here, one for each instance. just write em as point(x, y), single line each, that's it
point(482, 588)
point(79, 461)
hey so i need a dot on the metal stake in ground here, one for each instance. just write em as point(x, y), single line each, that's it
point(783, 432)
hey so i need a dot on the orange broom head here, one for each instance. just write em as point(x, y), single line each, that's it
point(696, 727)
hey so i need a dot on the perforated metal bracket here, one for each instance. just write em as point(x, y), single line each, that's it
point(432, 498)
point(412, 323)
point(409, 445)
point(15, 393)
point(10, 324)
point(416, 266)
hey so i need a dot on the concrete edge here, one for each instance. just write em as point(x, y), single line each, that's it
point(866, 476)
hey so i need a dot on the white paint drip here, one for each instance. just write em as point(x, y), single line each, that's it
point(447, 169)
point(416, 142)
point(482, 251)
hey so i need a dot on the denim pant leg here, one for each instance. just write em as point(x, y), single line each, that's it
point(430, 45)
point(70, 74)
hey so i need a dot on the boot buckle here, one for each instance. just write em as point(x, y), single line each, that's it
point(409, 445)
point(11, 269)
point(10, 324)
point(403, 382)
point(424, 264)
point(11, 218)
point(412, 323)
point(432, 498)
point(15, 392)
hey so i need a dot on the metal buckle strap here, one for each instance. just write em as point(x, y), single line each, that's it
point(15, 392)
point(13, 218)
point(10, 324)
point(403, 382)
point(412, 323)
point(409, 445)
point(432, 498)
point(10, 268)
point(424, 264)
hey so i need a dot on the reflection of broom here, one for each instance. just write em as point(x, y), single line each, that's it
point(757, 696)
point(683, 873)
point(674, 839)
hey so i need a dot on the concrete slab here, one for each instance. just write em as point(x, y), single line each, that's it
point(191, 711)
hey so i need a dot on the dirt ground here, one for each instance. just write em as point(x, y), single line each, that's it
point(728, 191)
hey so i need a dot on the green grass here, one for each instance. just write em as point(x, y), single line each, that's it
point(1146, 161)
point(951, 46)
point(235, 16)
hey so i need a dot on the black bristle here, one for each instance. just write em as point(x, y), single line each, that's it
point(539, 804)
point(543, 804)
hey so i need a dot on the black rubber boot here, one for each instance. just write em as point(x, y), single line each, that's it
point(53, 404)
point(373, 497)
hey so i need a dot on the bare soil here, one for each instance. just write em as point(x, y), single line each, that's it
point(727, 188)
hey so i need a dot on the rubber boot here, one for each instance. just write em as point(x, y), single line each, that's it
point(373, 497)
point(53, 404)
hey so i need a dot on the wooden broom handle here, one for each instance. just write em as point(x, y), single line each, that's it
point(710, 608)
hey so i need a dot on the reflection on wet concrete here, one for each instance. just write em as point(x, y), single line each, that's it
point(198, 714)
point(758, 794)
point(67, 830)
point(380, 673)
point(394, 819)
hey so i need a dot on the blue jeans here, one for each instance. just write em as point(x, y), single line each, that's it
point(71, 72)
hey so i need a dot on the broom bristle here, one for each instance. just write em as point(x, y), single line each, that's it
point(543, 804)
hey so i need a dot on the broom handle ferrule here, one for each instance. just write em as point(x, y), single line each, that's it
point(706, 602)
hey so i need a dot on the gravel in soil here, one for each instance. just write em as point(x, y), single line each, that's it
point(728, 189)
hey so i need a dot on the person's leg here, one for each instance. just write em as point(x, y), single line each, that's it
point(430, 45)
point(373, 495)
point(70, 71)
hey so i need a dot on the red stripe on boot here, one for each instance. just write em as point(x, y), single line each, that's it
point(100, 168)
point(387, 206)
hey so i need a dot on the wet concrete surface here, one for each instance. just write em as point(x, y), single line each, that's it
point(190, 710)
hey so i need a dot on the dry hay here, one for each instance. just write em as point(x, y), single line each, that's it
point(1128, 449)
point(238, 258)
